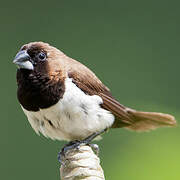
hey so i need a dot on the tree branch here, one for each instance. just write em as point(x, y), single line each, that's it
point(81, 164)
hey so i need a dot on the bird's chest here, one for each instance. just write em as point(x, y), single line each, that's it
point(37, 91)
point(75, 116)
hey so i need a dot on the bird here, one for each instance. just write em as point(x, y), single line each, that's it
point(65, 100)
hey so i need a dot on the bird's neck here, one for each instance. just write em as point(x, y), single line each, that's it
point(36, 90)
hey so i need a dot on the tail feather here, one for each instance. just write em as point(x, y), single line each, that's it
point(145, 121)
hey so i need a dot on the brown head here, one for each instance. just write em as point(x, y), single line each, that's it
point(40, 75)
point(39, 56)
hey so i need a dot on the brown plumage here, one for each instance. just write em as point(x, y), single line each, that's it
point(44, 86)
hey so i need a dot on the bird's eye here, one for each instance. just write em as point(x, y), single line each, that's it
point(42, 56)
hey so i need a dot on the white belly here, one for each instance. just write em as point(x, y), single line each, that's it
point(75, 116)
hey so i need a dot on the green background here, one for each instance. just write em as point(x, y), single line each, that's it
point(132, 45)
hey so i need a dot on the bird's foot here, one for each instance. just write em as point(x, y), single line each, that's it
point(76, 144)
point(71, 145)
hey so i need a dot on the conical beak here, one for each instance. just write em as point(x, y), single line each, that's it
point(22, 60)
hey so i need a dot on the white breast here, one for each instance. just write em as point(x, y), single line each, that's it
point(75, 116)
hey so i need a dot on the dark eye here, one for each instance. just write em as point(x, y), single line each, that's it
point(42, 56)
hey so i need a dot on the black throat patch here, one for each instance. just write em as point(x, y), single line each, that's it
point(36, 90)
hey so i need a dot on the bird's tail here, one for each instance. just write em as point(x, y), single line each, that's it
point(145, 121)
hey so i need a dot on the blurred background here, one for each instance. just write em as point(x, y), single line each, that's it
point(132, 46)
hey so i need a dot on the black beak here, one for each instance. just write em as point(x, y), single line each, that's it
point(22, 60)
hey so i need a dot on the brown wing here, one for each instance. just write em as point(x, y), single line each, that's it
point(87, 81)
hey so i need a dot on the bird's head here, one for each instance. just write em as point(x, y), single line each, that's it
point(39, 57)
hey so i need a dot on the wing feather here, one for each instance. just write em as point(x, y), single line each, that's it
point(87, 81)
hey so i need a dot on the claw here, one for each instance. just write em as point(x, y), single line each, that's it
point(95, 148)
point(60, 157)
